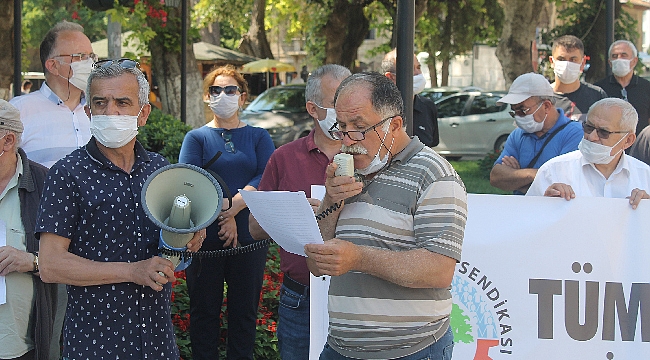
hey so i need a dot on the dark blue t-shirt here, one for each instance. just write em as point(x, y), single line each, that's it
point(250, 149)
point(96, 205)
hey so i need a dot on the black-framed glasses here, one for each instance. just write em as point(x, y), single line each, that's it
point(79, 57)
point(602, 133)
point(123, 62)
point(523, 112)
point(227, 137)
point(355, 135)
point(624, 93)
point(230, 90)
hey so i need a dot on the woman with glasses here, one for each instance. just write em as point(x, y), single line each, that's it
point(244, 153)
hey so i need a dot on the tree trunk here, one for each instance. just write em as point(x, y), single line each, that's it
point(345, 30)
point(433, 72)
point(211, 34)
point(521, 19)
point(254, 42)
point(445, 71)
point(7, 44)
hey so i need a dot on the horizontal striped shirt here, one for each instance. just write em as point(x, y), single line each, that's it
point(419, 201)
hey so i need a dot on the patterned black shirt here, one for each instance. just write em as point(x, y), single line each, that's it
point(96, 205)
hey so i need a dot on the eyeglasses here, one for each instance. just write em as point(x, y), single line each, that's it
point(355, 135)
point(230, 90)
point(624, 93)
point(123, 63)
point(230, 147)
point(602, 133)
point(80, 57)
point(523, 112)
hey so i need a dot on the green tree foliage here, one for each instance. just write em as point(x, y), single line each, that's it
point(586, 20)
point(163, 134)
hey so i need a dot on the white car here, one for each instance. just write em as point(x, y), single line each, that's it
point(472, 123)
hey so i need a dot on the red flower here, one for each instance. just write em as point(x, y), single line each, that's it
point(75, 15)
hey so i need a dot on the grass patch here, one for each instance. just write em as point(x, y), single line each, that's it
point(475, 181)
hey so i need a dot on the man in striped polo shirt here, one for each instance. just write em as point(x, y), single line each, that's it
point(393, 236)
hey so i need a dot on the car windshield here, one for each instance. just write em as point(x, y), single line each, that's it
point(285, 99)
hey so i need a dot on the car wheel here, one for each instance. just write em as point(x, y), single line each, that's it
point(500, 143)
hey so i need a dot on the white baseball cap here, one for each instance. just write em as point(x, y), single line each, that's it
point(525, 86)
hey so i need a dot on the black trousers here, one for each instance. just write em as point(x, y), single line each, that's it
point(244, 274)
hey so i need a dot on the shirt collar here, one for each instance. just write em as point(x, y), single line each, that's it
point(50, 95)
point(310, 144)
point(412, 148)
point(141, 155)
point(623, 165)
point(14, 179)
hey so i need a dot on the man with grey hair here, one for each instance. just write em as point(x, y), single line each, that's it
point(295, 167)
point(392, 239)
point(425, 112)
point(28, 313)
point(600, 167)
point(54, 119)
point(95, 236)
point(543, 132)
point(624, 84)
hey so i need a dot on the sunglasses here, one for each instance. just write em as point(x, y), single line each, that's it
point(230, 147)
point(230, 90)
point(602, 133)
point(124, 63)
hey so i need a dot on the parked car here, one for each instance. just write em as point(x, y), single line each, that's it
point(472, 123)
point(439, 92)
point(281, 111)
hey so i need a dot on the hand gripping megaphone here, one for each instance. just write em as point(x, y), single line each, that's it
point(181, 199)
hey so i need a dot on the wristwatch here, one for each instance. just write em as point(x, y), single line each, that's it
point(35, 263)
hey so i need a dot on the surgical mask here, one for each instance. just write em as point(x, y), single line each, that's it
point(596, 153)
point(224, 106)
point(621, 67)
point(114, 131)
point(528, 124)
point(377, 163)
point(329, 121)
point(568, 72)
point(419, 82)
point(80, 73)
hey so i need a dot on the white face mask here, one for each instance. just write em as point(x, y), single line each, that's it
point(568, 72)
point(114, 131)
point(224, 106)
point(377, 164)
point(329, 121)
point(419, 82)
point(621, 67)
point(596, 153)
point(80, 73)
point(528, 124)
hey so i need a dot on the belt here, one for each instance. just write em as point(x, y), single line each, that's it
point(295, 286)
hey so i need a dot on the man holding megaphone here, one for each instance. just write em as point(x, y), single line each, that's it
point(95, 236)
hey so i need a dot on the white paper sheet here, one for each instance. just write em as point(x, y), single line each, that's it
point(318, 192)
point(286, 216)
point(3, 242)
point(318, 315)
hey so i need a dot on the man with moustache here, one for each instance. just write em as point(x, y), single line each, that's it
point(295, 167)
point(393, 239)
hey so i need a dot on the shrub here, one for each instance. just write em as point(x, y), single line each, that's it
point(485, 164)
point(163, 134)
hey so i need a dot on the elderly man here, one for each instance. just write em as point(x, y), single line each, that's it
point(295, 167)
point(54, 119)
point(623, 84)
point(95, 236)
point(543, 133)
point(28, 313)
point(425, 113)
point(392, 239)
point(600, 166)
point(573, 95)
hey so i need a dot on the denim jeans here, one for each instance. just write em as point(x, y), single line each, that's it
point(293, 325)
point(440, 350)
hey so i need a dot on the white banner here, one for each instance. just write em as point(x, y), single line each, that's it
point(546, 278)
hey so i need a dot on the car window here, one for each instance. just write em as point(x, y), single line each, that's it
point(280, 99)
point(486, 104)
point(452, 106)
